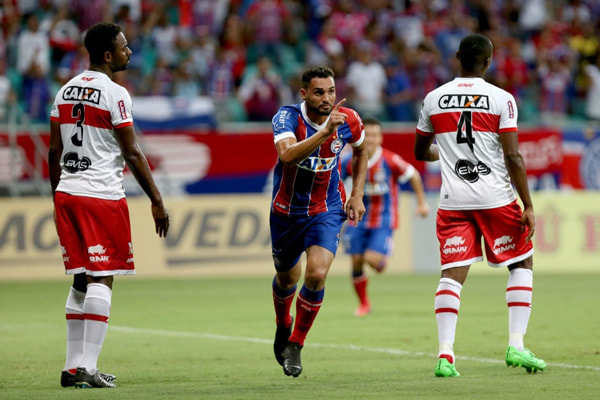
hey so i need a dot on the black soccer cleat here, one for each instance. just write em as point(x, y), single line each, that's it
point(85, 380)
point(67, 379)
point(291, 359)
point(282, 334)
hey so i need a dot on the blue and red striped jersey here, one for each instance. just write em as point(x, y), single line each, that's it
point(313, 185)
point(385, 170)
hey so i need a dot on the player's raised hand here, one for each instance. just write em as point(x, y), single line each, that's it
point(336, 118)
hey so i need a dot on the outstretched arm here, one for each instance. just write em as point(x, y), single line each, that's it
point(136, 161)
point(518, 175)
point(417, 184)
point(355, 207)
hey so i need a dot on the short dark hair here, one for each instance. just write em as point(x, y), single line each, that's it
point(371, 121)
point(473, 51)
point(99, 39)
point(316, 72)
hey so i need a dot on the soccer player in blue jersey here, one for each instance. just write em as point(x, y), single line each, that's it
point(309, 204)
point(372, 241)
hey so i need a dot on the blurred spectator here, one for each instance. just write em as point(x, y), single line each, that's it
point(33, 63)
point(88, 12)
point(592, 103)
point(267, 21)
point(261, 92)
point(325, 46)
point(64, 34)
point(555, 81)
point(510, 70)
point(398, 93)
point(349, 22)
point(185, 83)
point(7, 93)
point(447, 38)
point(366, 81)
point(73, 63)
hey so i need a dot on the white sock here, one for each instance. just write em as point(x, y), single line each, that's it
point(96, 310)
point(75, 328)
point(518, 298)
point(447, 304)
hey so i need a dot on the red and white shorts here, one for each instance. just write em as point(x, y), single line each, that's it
point(459, 233)
point(94, 234)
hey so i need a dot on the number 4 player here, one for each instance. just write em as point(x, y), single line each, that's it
point(475, 126)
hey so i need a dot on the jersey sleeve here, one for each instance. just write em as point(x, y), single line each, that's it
point(424, 126)
point(508, 114)
point(285, 123)
point(356, 126)
point(120, 111)
point(54, 113)
point(402, 170)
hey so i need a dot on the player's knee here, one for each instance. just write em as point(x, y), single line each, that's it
point(315, 279)
point(377, 262)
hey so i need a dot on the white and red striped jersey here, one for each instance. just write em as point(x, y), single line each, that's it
point(89, 108)
point(467, 115)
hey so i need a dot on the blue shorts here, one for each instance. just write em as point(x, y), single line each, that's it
point(357, 239)
point(291, 236)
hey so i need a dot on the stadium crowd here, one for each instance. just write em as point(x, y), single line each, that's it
point(246, 54)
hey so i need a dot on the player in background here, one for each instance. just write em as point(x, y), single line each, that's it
point(475, 126)
point(371, 242)
point(91, 140)
point(309, 204)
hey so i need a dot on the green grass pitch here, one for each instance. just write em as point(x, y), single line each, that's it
point(211, 338)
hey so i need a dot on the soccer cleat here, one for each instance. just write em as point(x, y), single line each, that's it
point(85, 380)
point(525, 359)
point(445, 369)
point(362, 310)
point(291, 359)
point(282, 334)
point(67, 379)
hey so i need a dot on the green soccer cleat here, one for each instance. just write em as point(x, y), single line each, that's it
point(525, 359)
point(444, 369)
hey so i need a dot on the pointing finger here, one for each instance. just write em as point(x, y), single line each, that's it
point(339, 104)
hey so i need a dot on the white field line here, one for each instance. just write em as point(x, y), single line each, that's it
point(384, 350)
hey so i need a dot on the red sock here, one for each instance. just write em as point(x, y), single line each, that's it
point(307, 307)
point(360, 286)
point(282, 300)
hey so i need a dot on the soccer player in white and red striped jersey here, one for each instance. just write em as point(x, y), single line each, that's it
point(475, 126)
point(91, 140)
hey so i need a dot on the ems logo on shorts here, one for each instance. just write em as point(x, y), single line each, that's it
point(336, 146)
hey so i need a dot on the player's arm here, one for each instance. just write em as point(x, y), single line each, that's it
point(518, 175)
point(136, 161)
point(291, 152)
point(55, 150)
point(425, 150)
point(355, 207)
point(417, 184)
